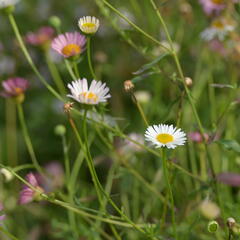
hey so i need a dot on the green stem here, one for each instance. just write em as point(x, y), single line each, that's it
point(75, 67)
point(28, 57)
point(11, 132)
point(166, 176)
point(8, 234)
point(97, 183)
point(55, 74)
point(89, 58)
point(135, 26)
point(27, 138)
point(66, 158)
point(139, 107)
point(69, 68)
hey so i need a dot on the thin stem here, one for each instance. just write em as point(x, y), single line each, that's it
point(68, 66)
point(66, 158)
point(166, 176)
point(8, 234)
point(75, 67)
point(135, 26)
point(139, 107)
point(97, 183)
point(28, 139)
point(89, 58)
point(55, 74)
point(28, 57)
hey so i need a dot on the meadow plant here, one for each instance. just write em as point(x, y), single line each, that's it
point(83, 155)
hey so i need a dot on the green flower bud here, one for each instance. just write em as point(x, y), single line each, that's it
point(60, 130)
point(55, 21)
point(212, 226)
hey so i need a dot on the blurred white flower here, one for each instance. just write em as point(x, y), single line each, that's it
point(7, 3)
point(142, 96)
point(219, 29)
point(209, 209)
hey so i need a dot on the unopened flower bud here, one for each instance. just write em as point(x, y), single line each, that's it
point(231, 222)
point(213, 226)
point(67, 107)
point(188, 81)
point(7, 174)
point(128, 85)
point(60, 130)
point(55, 21)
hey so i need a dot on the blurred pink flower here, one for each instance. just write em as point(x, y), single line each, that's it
point(2, 216)
point(217, 46)
point(197, 137)
point(231, 179)
point(14, 87)
point(212, 6)
point(42, 36)
point(54, 178)
point(28, 194)
point(69, 44)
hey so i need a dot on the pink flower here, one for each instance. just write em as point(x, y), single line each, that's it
point(14, 87)
point(28, 194)
point(231, 179)
point(2, 216)
point(42, 36)
point(212, 6)
point(54, 178)
point(217, 46)
point(69, 44)
point(197, 137)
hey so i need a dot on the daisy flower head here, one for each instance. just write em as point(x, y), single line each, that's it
point(218, 30)
point(97, 91)
point(212, 6)
point(163, 135)
point(88, 24)
point(69, 44)
point(41, 37)
point(27, 194)
point(7, 3)
point(14, 88)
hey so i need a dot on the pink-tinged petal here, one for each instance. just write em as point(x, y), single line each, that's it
point(31, 179)
point(2, 217)
point(231, 179)
point(26, 196)
point(69, 38)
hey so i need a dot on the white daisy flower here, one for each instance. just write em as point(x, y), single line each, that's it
point(7, 3)
point(219, 29)
point(88, 24)
point(96, 93)
point(163, 135)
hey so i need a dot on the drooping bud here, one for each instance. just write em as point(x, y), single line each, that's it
point(128, 85)
point(231, 222)
point(188, 81)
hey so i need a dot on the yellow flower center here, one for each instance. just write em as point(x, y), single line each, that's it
point(90, 96)
point(89, 25)
point(164, 138)
point(218, 1)
point(218, 24)
point(18, 90)
point(71, 49)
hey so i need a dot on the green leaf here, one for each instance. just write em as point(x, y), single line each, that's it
point(150, 65)
point(143, 76)
point(230, 145)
